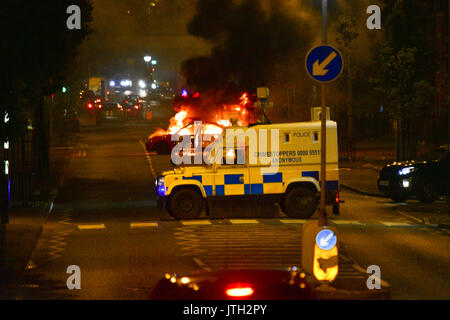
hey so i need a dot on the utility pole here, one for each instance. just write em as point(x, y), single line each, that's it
point(323, 131)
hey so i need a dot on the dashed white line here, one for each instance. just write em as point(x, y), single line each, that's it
point(144, 224)
point(395, 224)
point(149, 160)
point(346, 222)
point(298, 221)
point(91, 226)
point(195, 223)
point(243, 221)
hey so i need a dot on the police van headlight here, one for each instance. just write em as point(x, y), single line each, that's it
point(159, 183)
point(406, 171)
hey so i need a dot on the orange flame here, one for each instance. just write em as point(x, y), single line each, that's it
point(225, 116)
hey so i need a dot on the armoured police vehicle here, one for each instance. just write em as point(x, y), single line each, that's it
point(278, 161)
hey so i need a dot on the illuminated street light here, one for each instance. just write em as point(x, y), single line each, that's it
point(112, 83)
point(147, 58)
point(126, 83)
point(142, 84)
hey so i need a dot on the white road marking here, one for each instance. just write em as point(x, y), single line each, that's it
point(345, 222)
point(243, 221)
point(195, 223)
point(149, 159)
point(201, 264)
point(395, 224)
point(143, 224)
point(91, 226)
point(299, 221)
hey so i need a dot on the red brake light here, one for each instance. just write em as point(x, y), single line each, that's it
point(90, 105)
point(337, 196)
point(239, 290)
point(136, 107)
point(99, 106)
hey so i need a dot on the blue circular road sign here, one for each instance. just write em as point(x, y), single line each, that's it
point(326, 239)
point(324, 63)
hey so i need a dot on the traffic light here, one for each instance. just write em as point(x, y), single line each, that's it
point(64, 89)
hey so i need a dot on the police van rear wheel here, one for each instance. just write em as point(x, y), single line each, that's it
point(299, 202)
point(185, 204)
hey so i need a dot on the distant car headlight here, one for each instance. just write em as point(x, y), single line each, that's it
point(405, 171)
point(405, 183)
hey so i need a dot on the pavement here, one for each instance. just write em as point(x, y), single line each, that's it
point(360, 177)
point(26, 223)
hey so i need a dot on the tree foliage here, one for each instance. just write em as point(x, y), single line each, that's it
point(37, 48)
point(400, 82)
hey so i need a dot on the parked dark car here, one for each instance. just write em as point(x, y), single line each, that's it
point(423, 178)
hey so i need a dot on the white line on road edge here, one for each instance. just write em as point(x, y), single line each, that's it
point(346, 222)
point(143, 224)
point(360, 269)
point(396, 224)
point(149, 159)
point(195, 223)
point(91, 226)
point(410, 217)
point(299, 221)
point(200, 264)
point(243, 221)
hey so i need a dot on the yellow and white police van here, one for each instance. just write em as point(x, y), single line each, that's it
point(280, 161)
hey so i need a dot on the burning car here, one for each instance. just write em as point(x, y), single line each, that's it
point(214, 118)
point(163, 144)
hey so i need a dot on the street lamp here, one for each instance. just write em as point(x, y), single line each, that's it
point(147, 59)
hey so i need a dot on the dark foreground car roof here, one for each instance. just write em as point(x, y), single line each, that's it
point(266, 285)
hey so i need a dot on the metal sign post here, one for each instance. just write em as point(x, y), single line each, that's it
point(324, 64)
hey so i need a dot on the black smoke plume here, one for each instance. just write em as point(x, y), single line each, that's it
point(251, 40)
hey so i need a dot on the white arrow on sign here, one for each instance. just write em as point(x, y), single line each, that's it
point(319, 68)
point(324, 241)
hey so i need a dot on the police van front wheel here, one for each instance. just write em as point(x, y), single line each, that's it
point(300, 203)
point(185, 204)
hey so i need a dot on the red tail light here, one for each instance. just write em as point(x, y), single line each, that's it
point(99, 106)
point(337, 196)
point(239, 290)
point(136, 107)
point(90, 106)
